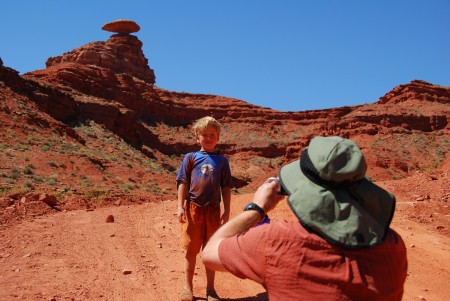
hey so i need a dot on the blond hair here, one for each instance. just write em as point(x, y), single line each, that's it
point(202, 124)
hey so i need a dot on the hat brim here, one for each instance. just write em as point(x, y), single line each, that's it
point(356, 217)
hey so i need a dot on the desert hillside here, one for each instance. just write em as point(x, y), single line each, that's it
point(92, 133)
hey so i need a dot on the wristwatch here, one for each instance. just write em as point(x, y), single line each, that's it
point(253, 206)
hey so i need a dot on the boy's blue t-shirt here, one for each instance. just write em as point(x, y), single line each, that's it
point(205, 173)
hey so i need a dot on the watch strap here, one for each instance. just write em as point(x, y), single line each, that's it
point(253, 206)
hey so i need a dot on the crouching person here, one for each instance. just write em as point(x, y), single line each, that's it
point(339, 247)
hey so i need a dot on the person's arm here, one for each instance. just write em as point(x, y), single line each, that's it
point(182, 193)
point(226, 197)
point(265, 197)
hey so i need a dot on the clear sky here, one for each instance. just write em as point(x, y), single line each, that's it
point(289, 55)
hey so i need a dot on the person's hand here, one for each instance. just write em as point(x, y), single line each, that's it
point(181, 215)
point(267, 195)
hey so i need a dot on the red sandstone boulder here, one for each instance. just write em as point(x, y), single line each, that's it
point(121, 26)
point(48, 199)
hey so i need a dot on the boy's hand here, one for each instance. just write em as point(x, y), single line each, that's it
point(181, 215)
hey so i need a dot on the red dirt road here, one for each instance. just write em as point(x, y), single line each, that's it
point(77, 255)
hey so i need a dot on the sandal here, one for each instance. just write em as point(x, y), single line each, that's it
point(186, 295)
point(212, 296)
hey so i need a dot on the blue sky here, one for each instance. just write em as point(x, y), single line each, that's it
point(289, 55)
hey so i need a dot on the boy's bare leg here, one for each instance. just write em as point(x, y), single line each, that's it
point(210, 290)
point(189, 268)
point(210, 277)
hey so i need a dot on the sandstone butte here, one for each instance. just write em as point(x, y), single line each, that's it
point(112, 84)
point(94, 130)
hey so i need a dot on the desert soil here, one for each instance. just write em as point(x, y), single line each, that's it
point(77, 255)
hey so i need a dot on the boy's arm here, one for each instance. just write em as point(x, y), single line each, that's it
point(182, 193)
point(226, 197)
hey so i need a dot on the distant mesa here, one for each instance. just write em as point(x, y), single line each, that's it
point(121, 26)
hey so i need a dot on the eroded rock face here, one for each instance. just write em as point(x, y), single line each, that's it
point(121, 54)
point(417, 90)
point(112, 84)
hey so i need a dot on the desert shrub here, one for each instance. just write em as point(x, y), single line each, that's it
point(126, 187)
point(21, 146)
point(38, 179)
point(52, 181)
point(52, 164)
point(9, 181)
point(94, 194)
point(28, 169)
point(28, 185)
point(45, 147)
point(15, 173)
point(85, 182)
point(11, 190)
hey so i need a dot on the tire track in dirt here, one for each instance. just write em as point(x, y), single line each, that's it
point(157, 235)
point(77, 256)
point(428, 261)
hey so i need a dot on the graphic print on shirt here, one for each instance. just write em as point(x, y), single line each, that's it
point(207, 169)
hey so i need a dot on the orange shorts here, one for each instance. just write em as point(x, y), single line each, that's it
point(200, 225)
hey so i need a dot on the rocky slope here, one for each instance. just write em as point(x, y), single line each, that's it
point(93, 125)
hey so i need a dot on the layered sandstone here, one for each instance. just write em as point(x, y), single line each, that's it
point(112, 84)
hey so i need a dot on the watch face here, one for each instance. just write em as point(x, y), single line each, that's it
point(249, 206)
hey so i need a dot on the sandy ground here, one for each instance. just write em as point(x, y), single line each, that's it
point(77, 255)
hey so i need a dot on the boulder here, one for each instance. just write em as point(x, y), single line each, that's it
point(121, 26)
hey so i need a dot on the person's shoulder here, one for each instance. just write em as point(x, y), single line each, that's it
point(294, 230)
point(393, 238)
point(190, 154)
point(284, 228)
point(189, 158)
point(219, 155)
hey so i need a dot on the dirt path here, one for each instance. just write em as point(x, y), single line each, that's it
point(77, 255)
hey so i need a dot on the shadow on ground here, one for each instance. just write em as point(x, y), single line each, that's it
point(259, 297)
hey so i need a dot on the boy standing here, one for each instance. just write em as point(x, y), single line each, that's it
point(203, 177)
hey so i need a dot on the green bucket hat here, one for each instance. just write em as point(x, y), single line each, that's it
point(330, 195)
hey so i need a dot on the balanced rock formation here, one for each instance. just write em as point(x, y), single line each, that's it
point(116, 60)
point(122, 26)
